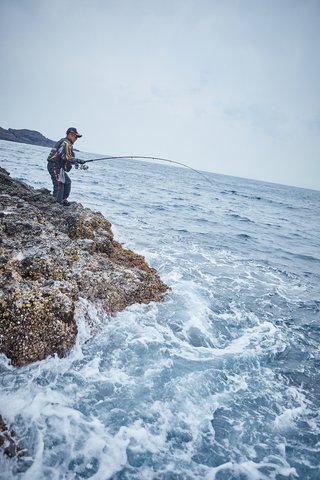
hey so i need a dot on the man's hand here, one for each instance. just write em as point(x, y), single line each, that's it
point(81, 164)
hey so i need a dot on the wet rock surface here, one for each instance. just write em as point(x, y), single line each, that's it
point(7, 440)
point(50, 256)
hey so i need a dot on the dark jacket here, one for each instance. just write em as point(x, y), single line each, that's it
point(62, 154)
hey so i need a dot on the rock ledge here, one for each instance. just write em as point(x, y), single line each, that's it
point(50, 256)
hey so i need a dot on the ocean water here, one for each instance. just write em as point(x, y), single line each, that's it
point(221, 380)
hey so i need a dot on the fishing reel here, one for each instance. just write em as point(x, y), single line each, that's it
point(81, 166)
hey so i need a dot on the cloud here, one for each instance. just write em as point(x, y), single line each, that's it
point(233, 81)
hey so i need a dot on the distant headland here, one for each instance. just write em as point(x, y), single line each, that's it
point(31, 137)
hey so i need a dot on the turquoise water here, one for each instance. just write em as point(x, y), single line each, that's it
point(221, 381)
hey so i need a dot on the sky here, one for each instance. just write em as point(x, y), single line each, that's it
point(226, 86)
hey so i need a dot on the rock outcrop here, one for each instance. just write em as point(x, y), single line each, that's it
point(52, 255)
point(7, 440)
point(25, 136)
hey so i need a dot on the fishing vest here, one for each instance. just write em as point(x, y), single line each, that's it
point(55, 154)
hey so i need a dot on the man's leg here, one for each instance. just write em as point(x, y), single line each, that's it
point(58, 187)
point(67, 187)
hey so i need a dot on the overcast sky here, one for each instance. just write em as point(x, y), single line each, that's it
point(227, 86)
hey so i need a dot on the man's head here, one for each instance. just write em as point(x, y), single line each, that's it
point(73, 134)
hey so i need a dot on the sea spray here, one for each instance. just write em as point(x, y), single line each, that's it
point(221, 380)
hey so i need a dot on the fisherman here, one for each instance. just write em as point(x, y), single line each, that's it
point(60, 160)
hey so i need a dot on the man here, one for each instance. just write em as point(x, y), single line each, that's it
point(60, 160)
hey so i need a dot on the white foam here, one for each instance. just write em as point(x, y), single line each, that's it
point(154, 382)
point(252, 470)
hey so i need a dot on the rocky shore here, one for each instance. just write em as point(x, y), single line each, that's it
point(25, 135)
point(52, 256)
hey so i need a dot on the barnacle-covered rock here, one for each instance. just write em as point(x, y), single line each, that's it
point(50, 256)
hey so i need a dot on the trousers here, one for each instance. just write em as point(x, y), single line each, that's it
point(61, 191)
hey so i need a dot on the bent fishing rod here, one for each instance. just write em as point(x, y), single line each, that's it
point(137, 157)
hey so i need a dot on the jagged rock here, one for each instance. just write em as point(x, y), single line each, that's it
point(7, 441)
point(51, 255)
point(25, 136)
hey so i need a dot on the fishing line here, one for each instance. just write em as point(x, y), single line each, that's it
point(135, 157)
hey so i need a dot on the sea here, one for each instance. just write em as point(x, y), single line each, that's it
point(220, 381)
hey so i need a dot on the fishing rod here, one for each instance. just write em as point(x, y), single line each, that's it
point(135, 157)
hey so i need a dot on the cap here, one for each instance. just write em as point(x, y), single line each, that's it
point(73, 130)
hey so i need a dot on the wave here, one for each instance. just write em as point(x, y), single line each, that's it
point(221, 379)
